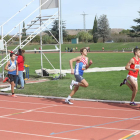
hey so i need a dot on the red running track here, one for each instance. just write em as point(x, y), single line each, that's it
point(27, 118)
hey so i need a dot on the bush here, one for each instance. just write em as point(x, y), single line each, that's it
point(6, 38)
point(36, 39)
point(84, 37)
point(69, 37)
point(46, 39)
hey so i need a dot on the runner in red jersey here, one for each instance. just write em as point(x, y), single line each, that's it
point(133, 66)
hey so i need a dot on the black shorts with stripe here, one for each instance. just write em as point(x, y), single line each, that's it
point(12, 78)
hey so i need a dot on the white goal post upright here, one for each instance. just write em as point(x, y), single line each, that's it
point(60, 29)
point(60, 33)
point(41, 39)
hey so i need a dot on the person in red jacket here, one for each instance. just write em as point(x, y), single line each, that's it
point(20, 62)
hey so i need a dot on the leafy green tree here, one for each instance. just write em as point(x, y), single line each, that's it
point(135, 32)
point(46, 39)
point(23, 30)
point(55, 29)
point(6, 38)
point(125, 32)
point(103, 27)
point(69, 37)
point(84, 36)
point(36, 39)
point(95, 31)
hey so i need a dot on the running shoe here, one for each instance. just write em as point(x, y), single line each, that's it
point(14, 96)
point(133, 104)
point(68, 102)
point(21, 88)
point(72, 84)
point(5, 80)
point(124, 81)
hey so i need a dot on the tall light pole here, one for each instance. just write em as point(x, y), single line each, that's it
point(41, 39)
point(61, 22)
point(84, 20)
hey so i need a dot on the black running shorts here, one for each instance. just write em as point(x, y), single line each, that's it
point(12, 77)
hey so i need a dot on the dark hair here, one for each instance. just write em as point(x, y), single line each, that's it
point(11, 54)
point(21, 52)
point(82, 49)
point(135, 50)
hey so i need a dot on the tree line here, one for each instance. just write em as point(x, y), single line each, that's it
point(100, 32)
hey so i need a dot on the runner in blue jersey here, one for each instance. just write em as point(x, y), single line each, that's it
point(81, 65)
point(12, 69)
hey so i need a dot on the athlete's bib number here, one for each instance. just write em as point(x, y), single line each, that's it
point(83, 67)
point(137, 66)
point(12, 67)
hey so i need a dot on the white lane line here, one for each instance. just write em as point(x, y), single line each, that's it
point(71, 106)
point(98, 108)
point(31, 110)
point(43, 122)
point(134, 134)
point(64, 124)
point(82, 115)
point(29, 134)
point(24, 102)
point(116, 129)
point(12, 108)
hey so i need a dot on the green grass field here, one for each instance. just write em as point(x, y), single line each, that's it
point(93, 46)
point(99, 60)
point(102, 85)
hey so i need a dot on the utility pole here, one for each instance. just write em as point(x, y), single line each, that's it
point(84, 20)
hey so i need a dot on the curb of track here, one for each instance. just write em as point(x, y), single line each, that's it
point(63, 98)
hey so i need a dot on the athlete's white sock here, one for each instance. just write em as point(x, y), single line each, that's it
point(75, 83)
point(69, 97)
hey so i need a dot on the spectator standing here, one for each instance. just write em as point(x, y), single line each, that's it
point(35, 50)
point(20, 62)
point(73, 49)
point(76, 48)
point(66, 49)
point(39, 49)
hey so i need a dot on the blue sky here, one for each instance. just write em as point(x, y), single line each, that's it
point(120, 13)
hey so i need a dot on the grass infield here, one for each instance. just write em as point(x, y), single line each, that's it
point(102, 85)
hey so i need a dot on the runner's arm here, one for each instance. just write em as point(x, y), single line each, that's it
point(71, 63)
point(6, 66)
point(88, 65)
point(127, 67)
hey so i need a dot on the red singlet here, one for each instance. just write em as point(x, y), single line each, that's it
point(136, 66)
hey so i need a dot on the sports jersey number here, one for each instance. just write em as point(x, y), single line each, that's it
point(83, 67)
point(11, 67)
point(137, 66)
